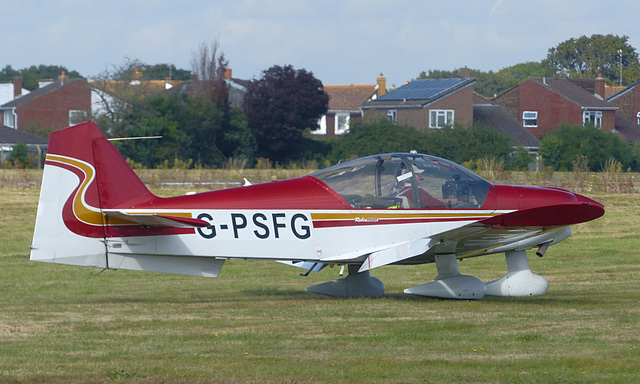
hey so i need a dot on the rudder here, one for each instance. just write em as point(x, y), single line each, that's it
point(83, 174)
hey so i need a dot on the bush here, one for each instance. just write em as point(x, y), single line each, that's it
point(561, 148)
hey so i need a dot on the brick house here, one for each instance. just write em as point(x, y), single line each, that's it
point(542, 104)
point(430, 103)
point(11, 90)
point(57, 105)
point(494, 116)
point(628, 116)
point(9, 137)
point(344, 106)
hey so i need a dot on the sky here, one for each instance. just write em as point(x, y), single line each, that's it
point(341, 41)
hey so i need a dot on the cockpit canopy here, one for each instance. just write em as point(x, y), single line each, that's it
point(405, 180)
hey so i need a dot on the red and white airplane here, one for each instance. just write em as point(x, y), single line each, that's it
point(389, 209)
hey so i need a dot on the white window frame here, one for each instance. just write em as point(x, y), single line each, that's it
point(530, 119)
point(9, 118)
point(392, 115)
point(594, 117)
point(638, 115)
point(322, 126)
point(77, 116)
point(341, 129)
point(440, 118)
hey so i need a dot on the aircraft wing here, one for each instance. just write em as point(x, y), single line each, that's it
point(155, 220)
point(481, 238)
point(396, 254)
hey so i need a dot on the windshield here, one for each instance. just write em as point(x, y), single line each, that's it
point(405, 181)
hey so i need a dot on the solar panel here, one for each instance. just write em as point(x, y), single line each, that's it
point(422, 89)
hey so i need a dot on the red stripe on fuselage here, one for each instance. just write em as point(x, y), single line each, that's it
point(352, 223)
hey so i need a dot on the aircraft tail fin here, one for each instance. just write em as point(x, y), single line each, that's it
point(83, 175)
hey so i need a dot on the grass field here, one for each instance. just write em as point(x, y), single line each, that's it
point(255, 323)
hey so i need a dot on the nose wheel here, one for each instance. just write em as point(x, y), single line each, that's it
point(519, 280)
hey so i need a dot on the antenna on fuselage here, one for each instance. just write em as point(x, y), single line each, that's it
point(246, 182)
point(134, 138)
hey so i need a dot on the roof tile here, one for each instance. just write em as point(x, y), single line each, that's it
point(348, 97)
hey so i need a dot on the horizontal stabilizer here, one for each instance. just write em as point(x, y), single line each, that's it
point(155, 220)
point(395, 254)
point(181, 265)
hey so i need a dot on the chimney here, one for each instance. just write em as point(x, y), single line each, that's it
point(464, 73)
point(167, 83)
point(227, 73)
point(17, 86)
point(599, 86)
point(136, 77)
point(382, 85)
point(63, 76)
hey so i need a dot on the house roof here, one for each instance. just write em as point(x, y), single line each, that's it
point(495, 116)
point(622, 91)
point(418, 93)
point(144, 86)
point(12, 136)
point(626, 128)
point(610, 91)
point(349, 97)
point(576, 91)
point(237, 89)
point(22, 100)
point(480, 99)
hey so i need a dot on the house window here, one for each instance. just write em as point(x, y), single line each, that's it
point(592, 117)
point(638, 118)
point(77, 117)
point(342, 123)
point(392, 115)
point(9, 120)
point(530, 119)
point(322, 126)
point(440, 118)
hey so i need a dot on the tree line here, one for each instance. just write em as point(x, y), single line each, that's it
point(585, 57)
point(200, 128)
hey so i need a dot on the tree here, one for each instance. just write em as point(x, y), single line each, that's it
point(458, 144)
point(152, 117)
point(492, 83)
point(118, 88)
point(19, 156)
point(586, 57)
point(32, 75)
point(209, 67)
point(236, 140)
point(463, 144)
point(164, 71)
point(562, 147)
point(280, 107)
point(380, 136)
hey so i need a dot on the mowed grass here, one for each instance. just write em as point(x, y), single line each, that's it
point(255, 323)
